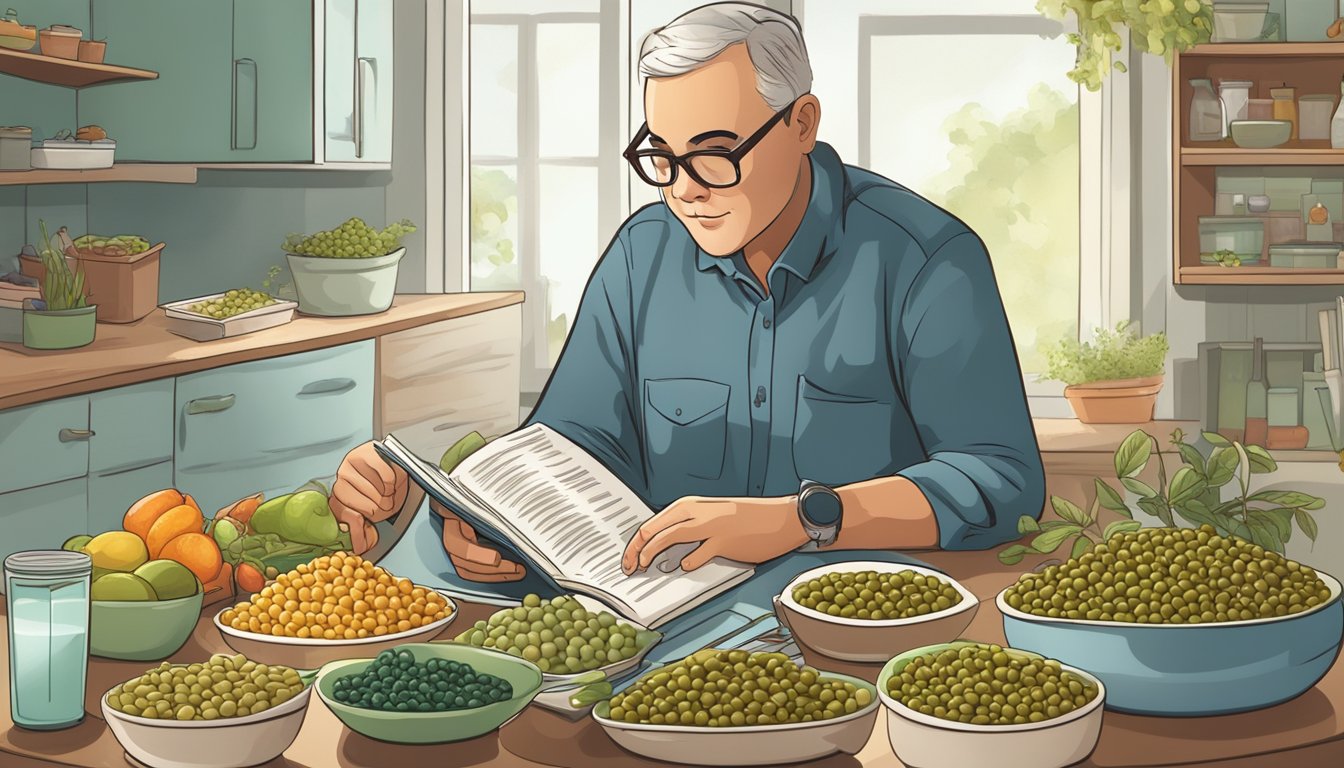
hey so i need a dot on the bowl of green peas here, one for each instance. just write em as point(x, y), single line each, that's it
point(966, 703)
point(431, 693)
point(867, 610)
point(567, 637)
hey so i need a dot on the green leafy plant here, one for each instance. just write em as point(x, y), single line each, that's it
point(1110, 356)
point(62, 288)
point(1226, 258)
point(1193, 494)
point(1159, 27)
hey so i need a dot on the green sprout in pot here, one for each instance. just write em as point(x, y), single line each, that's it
point(62, 288)
point(1194, 494)
point(1111, 355)
point(352, 240)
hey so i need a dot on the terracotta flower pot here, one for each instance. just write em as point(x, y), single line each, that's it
point(1124, 401)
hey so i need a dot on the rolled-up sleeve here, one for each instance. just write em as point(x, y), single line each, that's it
point(589, 395)
point(963, 387)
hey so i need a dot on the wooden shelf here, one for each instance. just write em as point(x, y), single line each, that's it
point(1268, 49)
point(1215, 275)
point(164, 173)
point(1221, 154)
point(71, 74)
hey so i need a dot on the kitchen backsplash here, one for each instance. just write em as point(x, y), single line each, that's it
point(222, 232)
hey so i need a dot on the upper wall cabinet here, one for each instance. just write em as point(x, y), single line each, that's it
point(358, 81)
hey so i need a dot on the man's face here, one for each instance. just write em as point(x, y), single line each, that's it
point(717, 107)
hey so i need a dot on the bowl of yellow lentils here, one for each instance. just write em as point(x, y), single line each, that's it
point(338, 606)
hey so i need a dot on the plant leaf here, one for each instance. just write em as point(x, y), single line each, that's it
point(1185, 484)
point(1156, 508)
point(1138, 486)
point(1014, 554)
point(1027, 524)
point(1282, 517)
point(1295, 499)
point(1069, 511)
point(1198, 513)
point(1261, 462)
point(1121, 526)
point(1132, 455)
point(1109, 498)
point(1306, 522)
point(1080, 545)
point(1222, 466)
point(1191, 456)
point(1049, 541)
point(1243, 468)
point(1265, 534)
point(1050, 525)
point(1213, 438)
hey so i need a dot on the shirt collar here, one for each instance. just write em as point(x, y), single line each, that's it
point(805, 248)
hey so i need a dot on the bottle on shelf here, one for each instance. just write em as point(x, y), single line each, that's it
point(1257, 399)
point(1285, 106)
point(1208, 116)
point(1236, 96)
point(1337, 122)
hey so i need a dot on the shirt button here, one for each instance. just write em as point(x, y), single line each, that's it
point(765, 323)
point(678, 411)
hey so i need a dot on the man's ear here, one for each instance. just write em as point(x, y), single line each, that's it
point(805, 119)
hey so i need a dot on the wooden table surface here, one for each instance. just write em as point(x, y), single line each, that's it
point(1301, 733)
point(129, 353)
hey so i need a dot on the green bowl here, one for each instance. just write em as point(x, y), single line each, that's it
point(142, 630)
point(435, 727)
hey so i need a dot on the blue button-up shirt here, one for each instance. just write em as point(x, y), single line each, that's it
point(880, 349)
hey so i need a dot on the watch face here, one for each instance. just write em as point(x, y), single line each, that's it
point(822, 507)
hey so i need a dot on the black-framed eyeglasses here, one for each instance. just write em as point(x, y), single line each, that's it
point(713, 168)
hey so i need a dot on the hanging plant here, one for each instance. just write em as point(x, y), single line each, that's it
point(1159, 27)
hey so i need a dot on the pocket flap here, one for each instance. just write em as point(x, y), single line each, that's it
point(809, 391)
point(683, 401)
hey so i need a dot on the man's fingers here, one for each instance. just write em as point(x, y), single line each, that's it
point(361, 485)
point(377, 471)
point(680, 533)
point(700, 555)
point(459, 547)
point(514, 573)
point(677, 513)
point(354, 520)
point(353, 500)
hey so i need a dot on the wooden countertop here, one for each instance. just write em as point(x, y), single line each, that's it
point(1304, 732)
point(145, 350)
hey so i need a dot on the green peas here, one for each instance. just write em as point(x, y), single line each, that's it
point(234, 302)
point(558, 635)
point(722, 689)
point(1170, 576)
point(225, 686)
point(396, 682)
point(876, 596)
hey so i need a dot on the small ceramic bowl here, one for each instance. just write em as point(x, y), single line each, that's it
point(853, 639)
point(142, 630)
point(1260, 134)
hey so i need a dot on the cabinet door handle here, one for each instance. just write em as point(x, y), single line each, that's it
point(363, 74)
point(244, 133)
point(68, 435)
point(327, 387)
point(212, 404)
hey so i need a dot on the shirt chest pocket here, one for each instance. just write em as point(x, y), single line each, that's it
point(685, 427)
point(839, 438)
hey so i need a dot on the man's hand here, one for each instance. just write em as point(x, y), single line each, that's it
point(749, 530)
point(367, 490)
point(473, 561)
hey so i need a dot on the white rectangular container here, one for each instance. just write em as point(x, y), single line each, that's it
point(184, 322)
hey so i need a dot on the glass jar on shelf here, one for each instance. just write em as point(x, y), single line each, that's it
point(1285, 106)
point(1236, 96)
point(1208, 120)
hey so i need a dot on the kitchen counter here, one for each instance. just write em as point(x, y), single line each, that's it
point(1305, 732)
point(145, 350)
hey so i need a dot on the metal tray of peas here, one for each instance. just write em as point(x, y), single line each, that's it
point(184, 322)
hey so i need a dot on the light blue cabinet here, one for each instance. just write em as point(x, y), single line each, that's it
point(358, 64)
point(131, 451)
point(112, 493)
point(42, 517)
point(271, 425)
point(44, 443)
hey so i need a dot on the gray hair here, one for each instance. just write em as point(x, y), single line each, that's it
point(774, 43)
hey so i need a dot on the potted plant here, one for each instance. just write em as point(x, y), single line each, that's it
point(62, 319)
point(1159, 28)
point(1193, 494)
point(1113, 379)
point(350, 270)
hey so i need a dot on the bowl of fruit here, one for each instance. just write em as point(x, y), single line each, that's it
point(230, 313)
point(349, 270)
point(1182, 622)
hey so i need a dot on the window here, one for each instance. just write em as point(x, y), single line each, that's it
point(968, 103)
point(544, 187)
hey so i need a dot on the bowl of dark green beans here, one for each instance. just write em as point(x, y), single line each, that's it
point(869, 610)
point(966, 703)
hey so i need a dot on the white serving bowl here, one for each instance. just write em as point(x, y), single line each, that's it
point(311, 653)
point(749, 744)
point(226, 743)
point(868, 640)
point(924, 741)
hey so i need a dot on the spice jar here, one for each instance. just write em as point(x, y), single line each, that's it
point(1285, 107)
point(16, 145)
point(1236, 95)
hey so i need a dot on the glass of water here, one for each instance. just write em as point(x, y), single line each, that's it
point(48, 610)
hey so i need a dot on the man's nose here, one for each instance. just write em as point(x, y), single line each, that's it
point(687, 189)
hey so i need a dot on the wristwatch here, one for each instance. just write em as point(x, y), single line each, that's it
point(820, 511)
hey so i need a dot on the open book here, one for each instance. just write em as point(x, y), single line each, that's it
point(569, 517)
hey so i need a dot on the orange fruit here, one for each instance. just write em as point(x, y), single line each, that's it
point(142, 514)
point(171, 524)
point(190, 502)
point(197, 552)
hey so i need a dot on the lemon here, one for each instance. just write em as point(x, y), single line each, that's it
point(117, 551)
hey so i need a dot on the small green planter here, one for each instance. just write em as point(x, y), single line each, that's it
point(60, 329)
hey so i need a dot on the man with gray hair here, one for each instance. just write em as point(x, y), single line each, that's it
point(786, 351)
